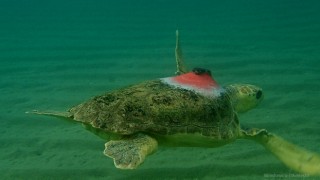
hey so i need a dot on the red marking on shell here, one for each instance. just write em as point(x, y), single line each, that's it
point(201, 81)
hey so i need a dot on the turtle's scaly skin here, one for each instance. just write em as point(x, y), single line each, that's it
point(157, 108)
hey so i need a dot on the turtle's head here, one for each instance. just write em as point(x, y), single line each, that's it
point(244, 96)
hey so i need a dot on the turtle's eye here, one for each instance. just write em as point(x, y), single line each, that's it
point(259, 94)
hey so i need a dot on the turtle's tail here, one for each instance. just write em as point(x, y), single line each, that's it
point(52, 113)
point(296, 158)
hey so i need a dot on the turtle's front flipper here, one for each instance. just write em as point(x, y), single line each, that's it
point(296, 158)
point(129, 153)
point(181, 68)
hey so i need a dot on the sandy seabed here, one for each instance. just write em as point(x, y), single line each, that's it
point(53, 59)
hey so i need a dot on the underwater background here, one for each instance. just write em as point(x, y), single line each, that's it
point(56, 54)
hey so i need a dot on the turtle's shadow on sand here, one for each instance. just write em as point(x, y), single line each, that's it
point(196, 172)
point(207, 172)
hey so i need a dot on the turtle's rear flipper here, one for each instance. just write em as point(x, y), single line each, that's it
point(130, 152)
point(296, 158)
point(52, 113)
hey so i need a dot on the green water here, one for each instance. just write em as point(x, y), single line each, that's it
point(56, 54)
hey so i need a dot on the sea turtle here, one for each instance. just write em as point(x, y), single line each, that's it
point(189, 109)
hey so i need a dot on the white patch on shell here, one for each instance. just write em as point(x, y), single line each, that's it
point(208, 92)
